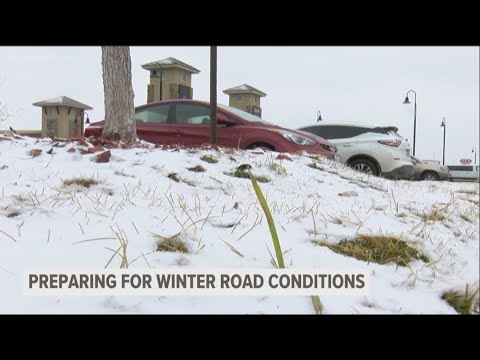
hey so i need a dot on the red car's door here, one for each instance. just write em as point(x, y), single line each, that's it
point(192, 126)
point(153, 124)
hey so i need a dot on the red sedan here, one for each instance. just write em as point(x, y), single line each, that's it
point(187, 123)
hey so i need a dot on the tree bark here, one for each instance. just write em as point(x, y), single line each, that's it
point(118, 93)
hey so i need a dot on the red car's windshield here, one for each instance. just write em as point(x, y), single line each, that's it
point(244, 115)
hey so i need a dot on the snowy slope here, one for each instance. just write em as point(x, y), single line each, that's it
point(42, 224)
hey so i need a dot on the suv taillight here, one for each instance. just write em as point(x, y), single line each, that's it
point(395, 142)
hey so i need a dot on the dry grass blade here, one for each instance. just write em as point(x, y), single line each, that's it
point(216, 180)
point(272, 259)
point(115, 252)
point(122, 238)
point(135, 227)
point(102, 238)
point(3, 232)
point(233, 249)
point(254, 224)
point(143, 255)
point(83, 233)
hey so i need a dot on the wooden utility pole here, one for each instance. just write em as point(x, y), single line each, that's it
point(213, 94)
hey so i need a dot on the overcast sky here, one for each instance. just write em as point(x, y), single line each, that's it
point(344, 83)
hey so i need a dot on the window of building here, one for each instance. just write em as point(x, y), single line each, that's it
point(183, 76)
point(256, 99)
point(52, 128)
point(73, 124)
point(239, 98)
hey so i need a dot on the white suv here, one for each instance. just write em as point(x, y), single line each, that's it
point(376, 150)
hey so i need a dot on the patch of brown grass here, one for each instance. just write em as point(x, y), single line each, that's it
point(377, 249)
point(198, 168)
point(209, 159)
point(463, 302)
point(434, 215)
point(13, 213)
point(174, 177)
point(85, 182)
point(171, 244)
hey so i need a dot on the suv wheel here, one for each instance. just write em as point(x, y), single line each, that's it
point(365, 166)
point(429, 176)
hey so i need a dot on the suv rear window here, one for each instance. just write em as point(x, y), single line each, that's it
point(348, 131)
point(333, 131)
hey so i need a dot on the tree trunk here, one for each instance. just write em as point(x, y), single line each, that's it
point(118, 92)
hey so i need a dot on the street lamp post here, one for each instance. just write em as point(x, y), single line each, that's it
point(161, 83)
point(82, 124)
point(407, 101)
point(474, 150)
point(444, 125)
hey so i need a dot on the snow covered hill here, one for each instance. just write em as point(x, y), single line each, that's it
point(60, 209)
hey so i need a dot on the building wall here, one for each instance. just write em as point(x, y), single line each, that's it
point(64, 126)
point(154, 81)
point(172, 76)
point(247, 100)
point(179, 78)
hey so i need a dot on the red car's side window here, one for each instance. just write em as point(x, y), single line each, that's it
point(157, 114)
point(192, 114)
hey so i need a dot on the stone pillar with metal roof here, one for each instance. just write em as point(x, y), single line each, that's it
point(62, 117)
point(246, 98)
point(169, 79)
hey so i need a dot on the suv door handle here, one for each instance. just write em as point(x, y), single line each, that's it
point(347, 145)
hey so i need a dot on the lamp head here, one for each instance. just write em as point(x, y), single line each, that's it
point(319, 116)
point(406, 100)
point(444, 122)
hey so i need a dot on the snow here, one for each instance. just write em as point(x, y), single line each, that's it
point(168, 61)
point(47, 221)
point(56, 100)
point(243, 87)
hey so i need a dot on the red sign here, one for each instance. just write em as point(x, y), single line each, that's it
point(465, 161)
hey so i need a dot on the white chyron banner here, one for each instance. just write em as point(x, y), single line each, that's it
point(197, 282)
